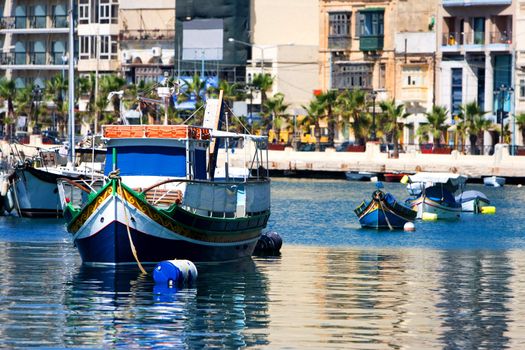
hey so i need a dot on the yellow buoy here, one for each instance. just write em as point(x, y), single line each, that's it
point(488, 210)
point(429, 216)
point(404, 180)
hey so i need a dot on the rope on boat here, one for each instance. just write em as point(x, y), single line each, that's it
point(133, 250)
point(386, 217)
point(16, 198)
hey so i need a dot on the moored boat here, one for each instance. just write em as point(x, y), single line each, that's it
point(383, 211)
point(472, 201)
point(393, 177)
point(360, 175)
point(162, 200)
point(434, 193)
point(494, 181)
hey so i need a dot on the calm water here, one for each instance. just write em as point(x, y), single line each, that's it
point(447, 285)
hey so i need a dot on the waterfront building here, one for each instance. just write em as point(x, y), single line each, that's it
point(146, 39)
point(386, 48)
point(475, 58)
point(33, 37)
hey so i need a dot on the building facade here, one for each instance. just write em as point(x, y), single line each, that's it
point(34, 40)
point(476, 45)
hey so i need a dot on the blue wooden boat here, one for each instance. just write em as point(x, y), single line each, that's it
point(163, 197)
point(383, 211)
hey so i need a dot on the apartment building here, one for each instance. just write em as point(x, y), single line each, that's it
point(476, 45)
point(147, 39)
point(98, 34)
point(34, 40)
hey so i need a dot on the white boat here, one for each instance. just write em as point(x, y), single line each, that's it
point(360, 175)
point(434, 193)
point(472, 201)
point(494, 181)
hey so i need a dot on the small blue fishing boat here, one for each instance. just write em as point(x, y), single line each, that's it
point(383, 211)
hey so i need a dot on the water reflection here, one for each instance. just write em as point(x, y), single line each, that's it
point(120, 307)
point(475, 295)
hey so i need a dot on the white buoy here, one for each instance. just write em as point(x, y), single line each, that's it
point(373, 179)
point(409, 226)
point(519, 186)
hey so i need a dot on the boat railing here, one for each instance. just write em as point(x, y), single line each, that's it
point(156, 131)
point(77, 192)
point(213, 198)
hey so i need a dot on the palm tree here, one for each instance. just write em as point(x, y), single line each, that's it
point(263, 83)
point(520, 121)
point(436, 124)
point(393, 113)
point(276, 108)
point(475, 123)
point(328, 100)
point(108, 84)
point(351, 105)
point(54, 91)
point(314, 111)
point(8, 92)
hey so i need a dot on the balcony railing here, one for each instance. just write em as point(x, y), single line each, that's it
point(30, 22)
point(475, 38)
point(31, 58)
point(150, 35)
point(7, 59)
point(371, 42)
point(339, 42)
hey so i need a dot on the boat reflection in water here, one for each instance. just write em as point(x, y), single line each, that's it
point(120, 307)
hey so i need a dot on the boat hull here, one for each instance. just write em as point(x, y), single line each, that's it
point(424, 204)
point(101, 232)
point(494, 181)
point(35, 193)
point(382, 214)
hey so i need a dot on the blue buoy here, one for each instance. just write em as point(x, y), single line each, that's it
point(269, 243)
point(175, 272)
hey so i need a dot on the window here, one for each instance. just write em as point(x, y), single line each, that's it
point(85, 47)
point(382, 76)
point(83, 12)
point(108, 47)
point(456, 91)
point(522, 88)
point(413, 76)
point(370, 23)
point(108, 11)
point(352, 76)
point(339, 23)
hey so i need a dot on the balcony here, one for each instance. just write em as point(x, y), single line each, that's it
point(147, 35)
point(447, 3)
point(339, 42)
point(32, 61)
point(475, 41)
point(34, 24)
point(371, 42)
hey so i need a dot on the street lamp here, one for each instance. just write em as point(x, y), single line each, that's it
point(37, 96)
point(502, 92)
point(373, 95)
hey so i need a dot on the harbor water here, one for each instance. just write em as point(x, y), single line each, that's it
point(454, 285)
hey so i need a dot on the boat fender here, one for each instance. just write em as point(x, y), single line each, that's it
point(409, 226)
point(429, 216)
point(488, 210)
point(269, 244)
point(5, 186)
point(175, 272)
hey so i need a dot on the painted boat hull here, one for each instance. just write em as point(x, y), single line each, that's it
point(382, 214)
point(444, 211)
point(393, 177)
point(101, 232)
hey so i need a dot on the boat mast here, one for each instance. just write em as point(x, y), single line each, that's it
point(71, 87)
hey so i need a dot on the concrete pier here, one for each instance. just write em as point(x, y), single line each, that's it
point(474, 166)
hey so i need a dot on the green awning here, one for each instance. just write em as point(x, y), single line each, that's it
point(373, 9)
